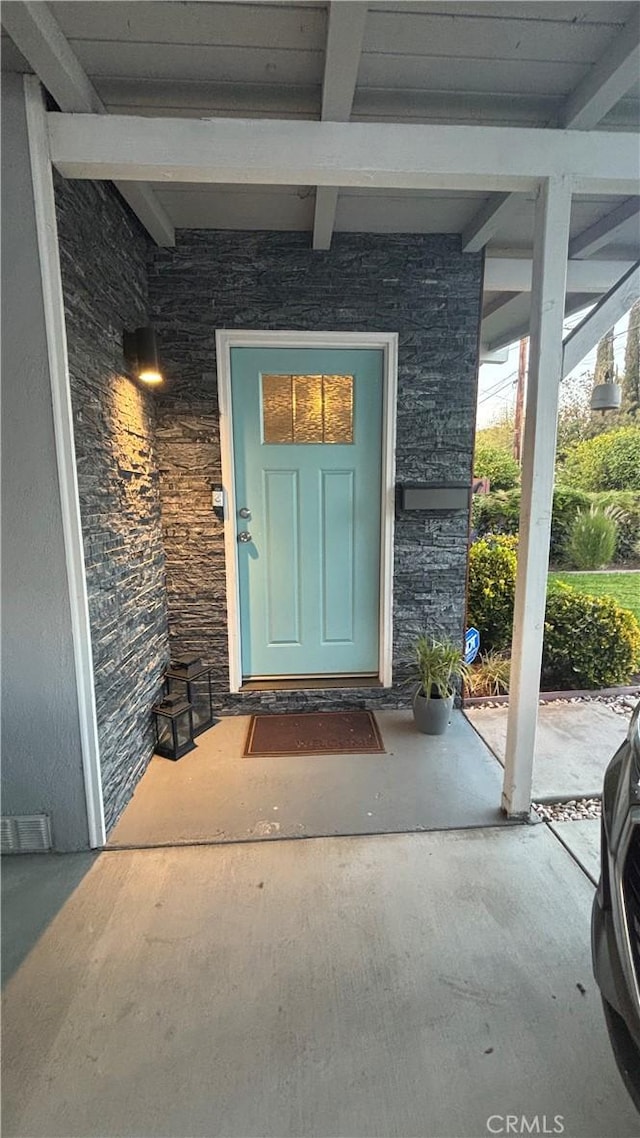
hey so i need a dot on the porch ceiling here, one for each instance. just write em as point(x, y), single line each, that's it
point(490, 64)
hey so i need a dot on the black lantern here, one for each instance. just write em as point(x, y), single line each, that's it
point(187, 676)
point(174, 727)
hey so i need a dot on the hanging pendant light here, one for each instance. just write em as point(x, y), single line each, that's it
point(606, 396)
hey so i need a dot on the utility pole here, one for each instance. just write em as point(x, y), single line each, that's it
point(517, 426)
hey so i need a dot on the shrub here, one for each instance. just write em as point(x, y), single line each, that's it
point(589, 642)
point(500, 513)
point(490, 675)
point(566, 505)
point(497, 512)
point(593, 538)
point(492, 584)
point(497, 465)
point(627, 503)
point(610, 461)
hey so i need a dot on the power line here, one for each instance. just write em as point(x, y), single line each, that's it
point(509, 382)
point(499, 383)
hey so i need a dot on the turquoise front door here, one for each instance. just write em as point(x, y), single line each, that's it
point(307, 439)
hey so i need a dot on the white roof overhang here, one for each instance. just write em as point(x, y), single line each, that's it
point(354, 116)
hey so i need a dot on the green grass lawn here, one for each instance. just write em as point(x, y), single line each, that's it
point(624, 587)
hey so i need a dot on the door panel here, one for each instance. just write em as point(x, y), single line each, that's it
point(281, 563)
point(336, 550)
point(307, 434)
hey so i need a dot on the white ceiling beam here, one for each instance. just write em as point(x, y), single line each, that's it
point(146, 205)
point(605, 231)
point(510, 320)
point(607, 81)
point(486, 222)
point(302, 153)
point(514, 274)
point(345, 32)
point(611, 308)
point(39, 37)
point(37, 34)
point(604, 85)
point(324, 217)
point(487, 357)
point(342, 59)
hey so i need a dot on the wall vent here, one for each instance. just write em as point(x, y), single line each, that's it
point(25, 833)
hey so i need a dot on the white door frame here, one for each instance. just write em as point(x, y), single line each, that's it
point(387, 342)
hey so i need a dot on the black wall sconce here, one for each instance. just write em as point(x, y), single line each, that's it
point(141, 354)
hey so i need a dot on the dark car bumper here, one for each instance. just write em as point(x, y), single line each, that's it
point(609, 972)
point(615, 959)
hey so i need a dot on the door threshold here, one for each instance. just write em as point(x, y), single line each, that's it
point(310, 683)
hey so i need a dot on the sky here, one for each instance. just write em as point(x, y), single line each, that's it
point(497, 389)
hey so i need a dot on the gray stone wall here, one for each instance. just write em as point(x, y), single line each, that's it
point(103, 255)
point(421, 287)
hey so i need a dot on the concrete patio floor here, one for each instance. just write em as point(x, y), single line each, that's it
point(374, 986)
point(582, 839)
point(574, 745)
point(215, 793)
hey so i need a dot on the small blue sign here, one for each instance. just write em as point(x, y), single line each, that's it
point(471, 645)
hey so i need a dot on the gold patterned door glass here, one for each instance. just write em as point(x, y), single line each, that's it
point(307, 408)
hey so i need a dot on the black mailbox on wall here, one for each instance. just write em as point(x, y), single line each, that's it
point(439, 496)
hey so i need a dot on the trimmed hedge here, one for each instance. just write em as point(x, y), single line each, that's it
point(589, 642)
point(500, 513)
point(610, 461)
point(492, 586)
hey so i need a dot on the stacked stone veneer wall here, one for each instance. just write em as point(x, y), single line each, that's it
point(421, 287)
point(103, 255)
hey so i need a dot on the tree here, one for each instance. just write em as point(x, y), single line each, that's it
point(631, 374)
point(574, 412)
point(496, 464)
point(499, 433)
point(605, 361)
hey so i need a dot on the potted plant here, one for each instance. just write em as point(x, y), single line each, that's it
point(436, 665)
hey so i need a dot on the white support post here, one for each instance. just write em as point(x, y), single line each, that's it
point(53, 300)
point(551, 243)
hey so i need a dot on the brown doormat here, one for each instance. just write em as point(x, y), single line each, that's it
point(315, 733)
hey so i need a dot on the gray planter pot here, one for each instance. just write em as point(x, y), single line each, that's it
point(432, 715)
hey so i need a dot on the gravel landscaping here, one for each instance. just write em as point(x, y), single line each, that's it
point(622, 704)
point(576, 810)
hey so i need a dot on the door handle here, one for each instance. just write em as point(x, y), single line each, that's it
point(244, 512)
point(244, 536)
